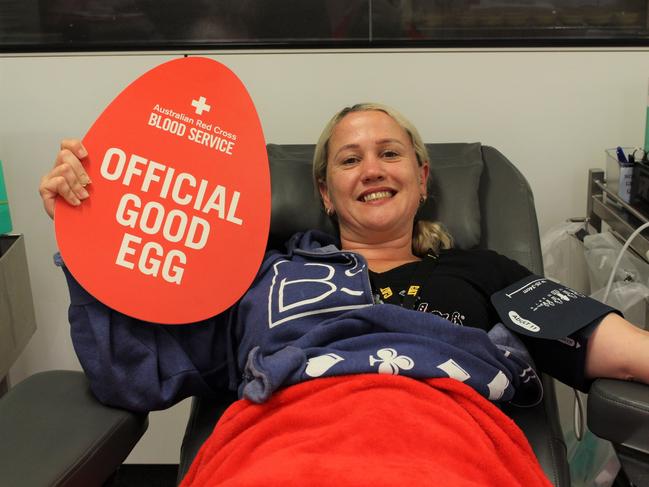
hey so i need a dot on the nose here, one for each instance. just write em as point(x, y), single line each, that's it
point(372, 169)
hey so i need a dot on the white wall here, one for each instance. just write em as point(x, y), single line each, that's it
point(551, 112)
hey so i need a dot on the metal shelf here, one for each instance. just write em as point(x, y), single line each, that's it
point(605, 206)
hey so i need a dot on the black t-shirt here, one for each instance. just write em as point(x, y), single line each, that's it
point(457, 286)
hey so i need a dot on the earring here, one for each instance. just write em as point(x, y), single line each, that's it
point(329, 211)
point(422, 199)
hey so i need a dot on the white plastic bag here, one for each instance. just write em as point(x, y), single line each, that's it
point(601, 251)
point(563, 256)
point(630, 298)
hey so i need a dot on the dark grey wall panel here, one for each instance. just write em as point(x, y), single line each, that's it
point(96, 25)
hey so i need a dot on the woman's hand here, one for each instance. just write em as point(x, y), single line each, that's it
point(68, 178)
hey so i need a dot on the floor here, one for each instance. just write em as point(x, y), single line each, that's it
point(133, 475)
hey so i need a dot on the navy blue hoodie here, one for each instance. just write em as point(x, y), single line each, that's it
point(309, 313)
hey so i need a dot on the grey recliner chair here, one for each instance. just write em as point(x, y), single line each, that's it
point(53, 432)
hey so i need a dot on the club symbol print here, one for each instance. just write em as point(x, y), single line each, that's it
point(391, 362)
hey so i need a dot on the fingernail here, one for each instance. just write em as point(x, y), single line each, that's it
point(83, 152)
point(85, 180)
point(83, 193)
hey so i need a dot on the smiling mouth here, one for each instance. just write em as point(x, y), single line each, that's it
point(377, 195)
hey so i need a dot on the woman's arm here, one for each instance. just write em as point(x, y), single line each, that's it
point(132, 364)
point(618, 350)
point(145, 366)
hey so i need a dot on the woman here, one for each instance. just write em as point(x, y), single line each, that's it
point(339, 422)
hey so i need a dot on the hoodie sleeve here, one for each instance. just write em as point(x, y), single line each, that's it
point(143, 366)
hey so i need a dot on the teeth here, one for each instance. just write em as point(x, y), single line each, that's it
point(376, 196)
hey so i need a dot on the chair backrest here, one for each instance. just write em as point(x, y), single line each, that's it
point(474, 190)
point(482, 199)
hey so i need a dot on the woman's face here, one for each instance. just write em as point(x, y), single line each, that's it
point(374, 182)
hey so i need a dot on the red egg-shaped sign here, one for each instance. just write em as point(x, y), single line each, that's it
point(176, 224)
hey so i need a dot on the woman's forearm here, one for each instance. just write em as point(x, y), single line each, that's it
point(618, 350)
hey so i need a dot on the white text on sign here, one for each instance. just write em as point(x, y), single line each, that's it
point(175, 224)
point(217, 142)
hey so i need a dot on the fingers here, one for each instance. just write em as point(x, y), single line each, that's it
point(70, 167)
point(51, 188)
point(67, 179)
point(72, 152)
point(75, 146)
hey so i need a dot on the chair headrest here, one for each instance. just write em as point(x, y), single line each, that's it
point(453, 192)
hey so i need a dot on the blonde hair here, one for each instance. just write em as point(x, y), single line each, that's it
point(427, 236)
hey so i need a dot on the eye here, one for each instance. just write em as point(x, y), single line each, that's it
point(348, 160)
point(390, 154)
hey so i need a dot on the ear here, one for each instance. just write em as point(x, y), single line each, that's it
point(324, 194)
point(423, 178)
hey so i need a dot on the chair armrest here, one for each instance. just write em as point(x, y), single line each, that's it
point(543, 430)
point(56, 433)
point(618, 411)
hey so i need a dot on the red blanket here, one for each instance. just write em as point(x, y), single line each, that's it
point(374, 430)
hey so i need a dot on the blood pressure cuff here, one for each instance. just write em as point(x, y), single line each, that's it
point(541, 308)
